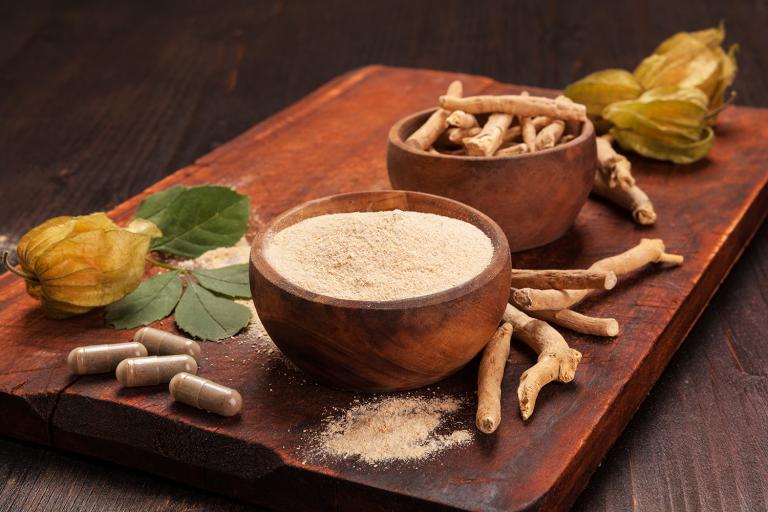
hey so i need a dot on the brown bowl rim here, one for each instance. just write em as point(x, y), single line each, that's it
point(586, 132)
point(501, 255)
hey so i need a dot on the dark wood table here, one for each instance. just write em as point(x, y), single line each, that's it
point(100, 99)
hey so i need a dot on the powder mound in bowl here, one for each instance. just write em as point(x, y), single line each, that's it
point(379, 256)
point(393, 429)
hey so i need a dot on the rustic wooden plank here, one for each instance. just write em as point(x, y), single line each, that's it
point(655, 311)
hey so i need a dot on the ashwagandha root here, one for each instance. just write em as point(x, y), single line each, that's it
point(615, 168)
point(550, 135)
point(437, 123)
point(647, 251)
point(516, 105)
point(564, 279)
point(527, 129)
point(457, 135)
point(489, 139)
point(515, 132)
point(556, 361)
point(461, 119)
point(579, 323)
point(516, 149)
point(489, 378)
point(572, 127)
point(633, 199)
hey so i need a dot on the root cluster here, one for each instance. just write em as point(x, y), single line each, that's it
point(540, 299)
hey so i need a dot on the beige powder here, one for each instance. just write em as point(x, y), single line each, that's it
point(379, 256)
point(400, 428)
point(221, 257)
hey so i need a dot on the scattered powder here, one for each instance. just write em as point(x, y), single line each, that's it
point(379, 256)
point(401, 428)
point(221, 257)
point(256, 334)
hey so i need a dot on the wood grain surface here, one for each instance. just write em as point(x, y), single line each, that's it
point(100, 101)
point(549, 459)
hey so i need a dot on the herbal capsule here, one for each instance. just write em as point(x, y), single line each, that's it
point(205, 394)
point(102, 358)
point(162, 343)
point(153, 370)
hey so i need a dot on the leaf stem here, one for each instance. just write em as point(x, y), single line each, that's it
point(160, 264)
point(13, 270)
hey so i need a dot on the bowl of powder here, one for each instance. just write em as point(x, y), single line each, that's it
point(380, 291)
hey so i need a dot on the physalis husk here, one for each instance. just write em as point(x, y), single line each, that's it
point(665, 123)
point(73, 264)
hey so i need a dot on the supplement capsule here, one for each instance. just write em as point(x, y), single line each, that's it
point(161, 343)
point(153, 370)
point(102, 358)
point(205, 394)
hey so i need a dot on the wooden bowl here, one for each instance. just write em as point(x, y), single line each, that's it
point(534, 197)
point(388, 345)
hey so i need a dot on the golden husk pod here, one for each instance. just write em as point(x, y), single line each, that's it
point(74, 264)
point(664, 109)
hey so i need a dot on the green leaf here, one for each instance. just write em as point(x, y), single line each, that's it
point(153, 300)
point(206, 316)
point(153, 207)
point(231, 281)
point(201, 219)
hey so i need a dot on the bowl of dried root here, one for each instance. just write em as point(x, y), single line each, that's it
point(526, 161)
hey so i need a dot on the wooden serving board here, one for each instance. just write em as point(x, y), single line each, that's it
point(334, 141)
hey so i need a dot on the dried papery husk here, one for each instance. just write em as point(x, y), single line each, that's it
point(679, 153)
point(686, 62)
point(73, 264)
point(727, 76)
point(692, 59)
point(601, 88)
point(666, 123)
point(671, 113)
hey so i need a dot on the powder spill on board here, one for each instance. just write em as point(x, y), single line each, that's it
point(379, 256)
point(397, 428)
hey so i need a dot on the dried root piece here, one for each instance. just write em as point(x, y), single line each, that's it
point(615, 168)
point(557, 361)
point(461, 119)
point(527, 129)
point(564, 279)
point(549, 136)
point(573, 127)
point(580, 323)
point(489, 139)
point(647, 251)
point(566, 138)
point(457, 135)
point(428, 133)
point(489, 378)
point(514, 133)
point(633, 199)
point(516, 149)
point(516, 105)
point(540, 122)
